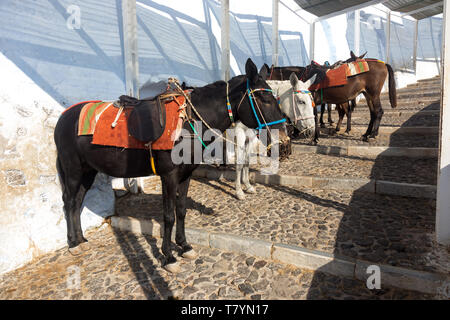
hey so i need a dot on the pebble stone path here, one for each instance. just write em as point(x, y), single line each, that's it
point(122, 265)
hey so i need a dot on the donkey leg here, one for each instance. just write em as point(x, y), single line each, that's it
point(169, 191)
point(322, 110)
point(348, 112)
point(239, 193)
point(315, 140)
point(372, 118)
point(75, 184)
point(378, 110)
point(245, 172)
point(330, 121)
point(341, 113)
point(180, 235)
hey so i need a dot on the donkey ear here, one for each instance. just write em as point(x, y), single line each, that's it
point(310, 81)
point(352, 55)
point(251, 71)
point(362, 56)
point(294, 80)
point(264, 72)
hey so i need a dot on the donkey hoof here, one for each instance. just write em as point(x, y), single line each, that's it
point(173, 267)
point(191, 254)
point(75, 251)
point(240, 195)
point(251, 190)
point(365, 138)
point(85, 246)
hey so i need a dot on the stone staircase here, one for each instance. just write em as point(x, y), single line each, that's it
point(333, 208)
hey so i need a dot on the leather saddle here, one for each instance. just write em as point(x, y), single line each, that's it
point(147, 119)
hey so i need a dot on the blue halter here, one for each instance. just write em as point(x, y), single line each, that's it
point(260, 125)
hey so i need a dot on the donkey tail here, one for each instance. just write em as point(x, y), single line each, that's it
point(392, 88)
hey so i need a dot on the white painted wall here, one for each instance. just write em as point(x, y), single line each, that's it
point(32, 220)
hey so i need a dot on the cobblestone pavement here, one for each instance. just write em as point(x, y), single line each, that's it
point(123, 265)
point(416, 105)
point(397, 169)
point(389, 120)
point(393, 140)
point(378, 228)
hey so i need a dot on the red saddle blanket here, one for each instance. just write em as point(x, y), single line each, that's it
point(334, 77)
point(96, 118)
point(338, 77)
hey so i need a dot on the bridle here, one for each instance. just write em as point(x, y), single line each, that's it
point(253, 102)
point(294, 92)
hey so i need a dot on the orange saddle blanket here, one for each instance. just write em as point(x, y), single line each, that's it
point(97, 118)
point(338, 77)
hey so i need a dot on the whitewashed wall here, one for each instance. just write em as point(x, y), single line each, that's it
point(47, 66)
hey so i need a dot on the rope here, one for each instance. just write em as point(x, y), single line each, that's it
point(175, 82)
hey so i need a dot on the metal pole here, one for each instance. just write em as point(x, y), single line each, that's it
point(312, 35)
point(416, 35)
point(130, 56)
point(131, 61)
point(357, 32)
point(443, 183)
point(275, 34)
point(388, 36)
point(225, 40)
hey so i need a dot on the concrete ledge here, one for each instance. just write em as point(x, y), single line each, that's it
point(421, 281)
point(390, 130)
point(254, 247)
point(314, 260)
point(351, 184)
point(368, 151)
point(406, 189)
point(138, 226)
point(365, 185)
point(403, 278)
point(197, 236)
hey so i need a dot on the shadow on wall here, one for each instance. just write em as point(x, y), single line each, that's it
point(68, 63)
point(172, 43)
point(75, 64)
point(373, 39)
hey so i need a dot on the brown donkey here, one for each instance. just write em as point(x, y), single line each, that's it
point(369, 83)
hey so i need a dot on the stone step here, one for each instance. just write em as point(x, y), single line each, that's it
point(398, 112)
point(431, 97)
point(363, 151)
point(379, 228)
point(388, 130)
point(424, 86)
point(397, 139)
point(404, 120)
point(358, 181)
point(416, 91)
point(393, 169)
point(124, 265)
point(296, 256)
point(415, 105)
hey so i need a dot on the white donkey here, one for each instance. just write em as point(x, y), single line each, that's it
point(296, 103)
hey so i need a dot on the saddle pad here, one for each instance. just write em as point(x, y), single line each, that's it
point(357, 67)
point(174, 122)
point(89, 115)
point(334, 78)
point(98, 117)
